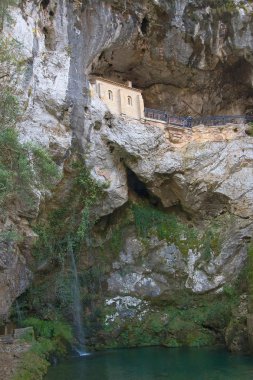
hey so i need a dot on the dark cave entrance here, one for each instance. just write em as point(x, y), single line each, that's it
point(137, 187)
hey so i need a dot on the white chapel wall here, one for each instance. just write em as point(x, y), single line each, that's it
point(121, 100)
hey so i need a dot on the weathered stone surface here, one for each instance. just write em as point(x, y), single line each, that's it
point(24, 333)
point(206, 177)
point(189, 59)
point(16, 240)
point(237, 334)
point(45, 121)
point(10, 356)
point(125, 308)
point(157, 268)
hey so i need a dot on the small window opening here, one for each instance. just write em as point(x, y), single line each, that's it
point(129, 101)
point(110, 95)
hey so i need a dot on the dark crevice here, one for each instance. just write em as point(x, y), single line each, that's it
point(45, 31)
point(136, 185)
point(49, 38)
point(145, 25)
point(45, 3)
point(139, 188)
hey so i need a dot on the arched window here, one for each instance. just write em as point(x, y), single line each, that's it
point(110, 95)
point(129, 101)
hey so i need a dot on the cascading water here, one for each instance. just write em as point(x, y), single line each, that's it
point(77, 307)
point(19, 313)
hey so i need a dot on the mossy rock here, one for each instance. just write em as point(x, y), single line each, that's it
point(236, 336)
point(199, 338)
point(172, 342)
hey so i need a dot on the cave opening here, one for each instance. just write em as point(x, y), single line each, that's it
point(145, 25)
point(45, 3)
point(167, 82)
point(137, 187)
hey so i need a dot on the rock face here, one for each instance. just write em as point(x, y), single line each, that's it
point(189, 58)
point(150, 274)
point(14, 277)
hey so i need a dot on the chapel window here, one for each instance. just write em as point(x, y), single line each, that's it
point(110, 95)
point(129, 101)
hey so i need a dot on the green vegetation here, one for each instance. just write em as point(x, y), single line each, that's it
point(249, 130)
point(57, 332)
point(52, 337)
point(22, 166)
point(32, 366)
point(69, 224)
point(186, 321)
point(66, 229)
point(50, 297)
point(150, 221)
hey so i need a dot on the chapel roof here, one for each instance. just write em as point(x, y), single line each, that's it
point(94, 78)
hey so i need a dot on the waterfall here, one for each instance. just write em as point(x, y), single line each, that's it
point(19, 313)
point(77, 306)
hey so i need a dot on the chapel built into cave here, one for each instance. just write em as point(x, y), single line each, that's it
point(121, 99)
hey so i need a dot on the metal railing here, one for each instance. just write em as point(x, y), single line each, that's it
point(188, 121)
point(155, 114)
point(221, 120)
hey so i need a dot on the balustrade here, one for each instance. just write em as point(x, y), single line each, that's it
point(188, 121)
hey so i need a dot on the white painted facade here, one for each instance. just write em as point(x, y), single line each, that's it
point(121, 99)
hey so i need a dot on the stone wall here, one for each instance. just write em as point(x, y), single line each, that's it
point(120, 99)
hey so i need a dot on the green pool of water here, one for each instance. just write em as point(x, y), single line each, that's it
point(156, 363)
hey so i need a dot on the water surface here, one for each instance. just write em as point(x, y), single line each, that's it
point(156, 363)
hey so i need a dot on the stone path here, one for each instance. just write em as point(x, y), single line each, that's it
point(11, 351)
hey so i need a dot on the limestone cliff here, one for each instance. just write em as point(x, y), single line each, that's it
point(189, 58)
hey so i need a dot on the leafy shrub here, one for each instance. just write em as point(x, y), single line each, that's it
point(50, 329)
point(53, 336)
point(149, 220)
point(45, 169)
point(23, 166)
